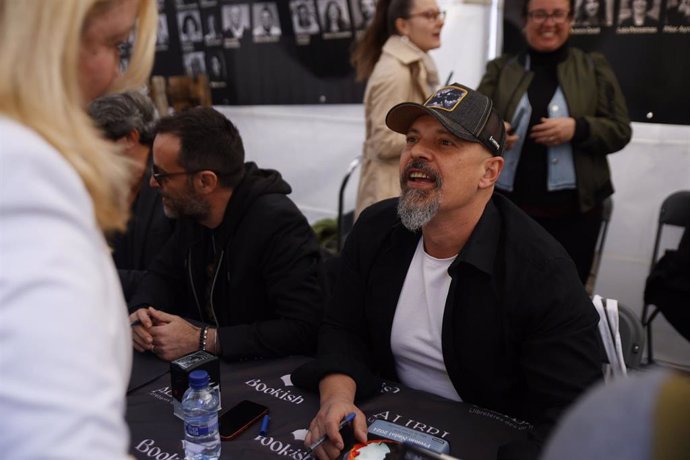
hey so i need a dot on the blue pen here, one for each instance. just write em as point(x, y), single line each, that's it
point(348, 419)
point(263, 431)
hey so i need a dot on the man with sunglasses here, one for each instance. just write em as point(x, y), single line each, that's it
point(239, 276)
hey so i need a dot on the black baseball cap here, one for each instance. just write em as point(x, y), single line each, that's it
point(464, 112)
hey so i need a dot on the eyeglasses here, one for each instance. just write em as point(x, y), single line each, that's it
point(540, 16)
point(161, 177)
point(431, 16)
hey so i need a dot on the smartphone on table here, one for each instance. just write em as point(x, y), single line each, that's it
point(238, 418)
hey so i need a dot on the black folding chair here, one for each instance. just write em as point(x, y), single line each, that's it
point(632, 336)
point(675, 210)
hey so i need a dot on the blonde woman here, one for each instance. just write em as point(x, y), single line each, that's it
point(392, 57)
point(65, 353)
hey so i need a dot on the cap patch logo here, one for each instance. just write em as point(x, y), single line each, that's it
point(493, 141)
point(446, 98)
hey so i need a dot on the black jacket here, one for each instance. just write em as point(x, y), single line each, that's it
point(519, 331)
point(147, 232)
point(267, 299)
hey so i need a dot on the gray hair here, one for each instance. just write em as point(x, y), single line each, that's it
point(119, 114)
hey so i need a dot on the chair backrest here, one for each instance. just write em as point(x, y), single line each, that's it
point(675, 210)
point(622, 337)
point(632, 336)
point(345, 220)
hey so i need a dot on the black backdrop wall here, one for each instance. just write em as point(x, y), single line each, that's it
point(258, 52)
point(288, 52)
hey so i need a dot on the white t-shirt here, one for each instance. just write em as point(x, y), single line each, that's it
point(417, 325)
point(65, 343)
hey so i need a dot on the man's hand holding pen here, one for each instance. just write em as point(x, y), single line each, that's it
point(337, 407)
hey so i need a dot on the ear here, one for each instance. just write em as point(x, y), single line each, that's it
point(207, 181)
point(130, 139)
point(134, 136)
point(492, 169)
point(402, 26)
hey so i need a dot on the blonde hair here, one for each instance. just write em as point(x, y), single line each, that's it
point(40, 44)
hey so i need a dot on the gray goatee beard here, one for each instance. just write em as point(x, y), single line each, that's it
point(416, 208)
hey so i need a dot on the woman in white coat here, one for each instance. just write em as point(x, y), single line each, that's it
point(65, 353)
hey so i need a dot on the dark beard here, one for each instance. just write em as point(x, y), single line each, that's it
point(191, 206)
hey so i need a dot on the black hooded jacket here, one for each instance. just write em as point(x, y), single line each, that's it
point(266, 297)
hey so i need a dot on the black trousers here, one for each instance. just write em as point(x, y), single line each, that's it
point(578, 233)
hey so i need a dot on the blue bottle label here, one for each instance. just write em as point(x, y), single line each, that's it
point(203, 429)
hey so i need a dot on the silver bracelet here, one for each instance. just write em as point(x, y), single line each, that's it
point(203, 335)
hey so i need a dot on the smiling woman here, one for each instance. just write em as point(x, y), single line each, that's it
point(64, 334)
point(565, 112)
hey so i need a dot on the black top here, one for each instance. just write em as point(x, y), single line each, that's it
point(529, 189)
point(147, 232)
point(519, 331)
point(267, 298)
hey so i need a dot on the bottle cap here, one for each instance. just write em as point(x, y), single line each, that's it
point(198, 379)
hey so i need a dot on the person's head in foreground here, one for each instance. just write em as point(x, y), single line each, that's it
point(63, 313)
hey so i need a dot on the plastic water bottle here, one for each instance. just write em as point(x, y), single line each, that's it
point(200, 407)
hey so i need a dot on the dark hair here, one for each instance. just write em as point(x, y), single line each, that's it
point(334, 4)
point(208, 140)
point(189, 19)
point(525, 5)
point(367, 50)
point(581, 14)
point(120, 114)
point(340, 22)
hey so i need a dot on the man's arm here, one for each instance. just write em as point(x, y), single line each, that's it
point(609, 128)
point(561, 354)
point(130, 279)
point(289, 261)
point(344, 341)
point(162, 286)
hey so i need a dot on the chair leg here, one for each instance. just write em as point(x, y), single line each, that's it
point(650, 352)
point(648, 324)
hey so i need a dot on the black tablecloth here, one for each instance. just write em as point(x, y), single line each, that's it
point(473, 433)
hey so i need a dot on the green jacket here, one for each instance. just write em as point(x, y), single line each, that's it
point(593, 94)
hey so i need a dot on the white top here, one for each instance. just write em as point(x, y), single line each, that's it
point(417, 325)
point(65, 343)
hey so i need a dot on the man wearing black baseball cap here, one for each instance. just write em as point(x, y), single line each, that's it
point(452, 289)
